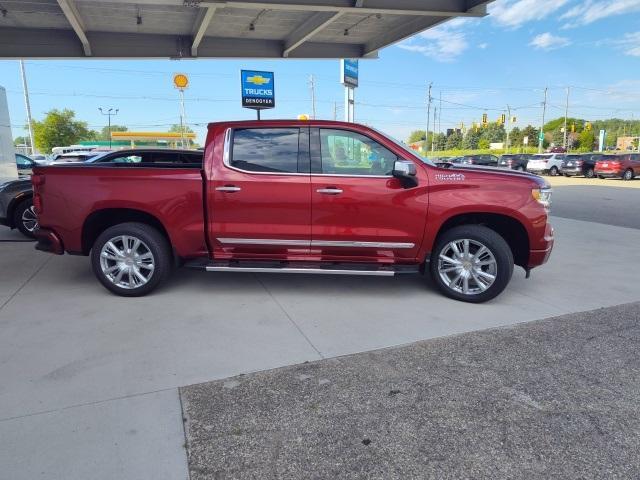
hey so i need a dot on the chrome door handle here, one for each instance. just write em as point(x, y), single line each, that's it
point(330, 191)
point(228, 188)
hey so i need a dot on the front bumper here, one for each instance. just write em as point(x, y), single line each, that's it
point(541, 256)
point(48, 241)
point(538, 171)
point(572, 171)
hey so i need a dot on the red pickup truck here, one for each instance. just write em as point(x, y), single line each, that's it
point(295, 197)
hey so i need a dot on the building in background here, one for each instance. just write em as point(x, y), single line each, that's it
point(8, 167)
point(625, 143)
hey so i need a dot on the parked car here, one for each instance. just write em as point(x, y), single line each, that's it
point(557, 150)
point(73, 157)
point(296, 197)
point(480, 159)
point(24, 164)
point(546, 163)
point(517, 161)
point(583, 164)
point(16, 206)
point(625, 166)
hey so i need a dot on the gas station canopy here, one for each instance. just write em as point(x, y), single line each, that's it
point(217, 29)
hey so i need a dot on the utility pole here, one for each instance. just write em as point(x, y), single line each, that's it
point(25, 90)
point(433, 137)
point(312, 86)
point(109, 113)
point(544, 110)
point(508, 126)
point(426, 133)
point(440, 116)
point(566, 113)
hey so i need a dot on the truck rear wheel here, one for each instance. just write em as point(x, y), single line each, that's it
point(471, 263)
point(131, 259)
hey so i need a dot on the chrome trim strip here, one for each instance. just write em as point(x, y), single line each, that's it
point(228, 189)
point(323, 243)
point(346, 175)
point(318, 271)
point(264, 241)
point(313, 243)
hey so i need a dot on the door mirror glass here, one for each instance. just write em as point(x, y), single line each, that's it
point(404, 169)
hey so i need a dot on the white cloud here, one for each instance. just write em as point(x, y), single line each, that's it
point(594, 10)
point(442, 43)
point(482, 46)
point(515, 13)
point(548, 41)
point(630, 44)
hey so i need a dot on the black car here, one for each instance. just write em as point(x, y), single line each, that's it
point(514, 161)
point(480, 159)
point(16, 206)
point(584, 164)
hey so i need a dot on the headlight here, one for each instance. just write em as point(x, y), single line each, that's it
point(542, 196)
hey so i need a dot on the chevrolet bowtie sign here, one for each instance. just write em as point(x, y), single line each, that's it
point(258, 91)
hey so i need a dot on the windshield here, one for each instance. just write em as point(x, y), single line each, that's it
point(405, 148)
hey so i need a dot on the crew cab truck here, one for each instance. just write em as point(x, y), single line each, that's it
point(296, 197)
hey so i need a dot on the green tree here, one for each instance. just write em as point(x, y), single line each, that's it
point(493, 133)
point(532, 134)
point(586, 140)
point(471, 139)
point(515, 137)
point(454, 141)
point(483, 144)
point(416, 136)
point(104, 133)
point(21, 141)
point(59, 128)
point(176, 128)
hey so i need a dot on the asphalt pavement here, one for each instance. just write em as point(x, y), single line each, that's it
point(557, 398)
point(601, 204)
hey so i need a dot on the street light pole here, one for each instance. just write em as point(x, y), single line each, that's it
point(25, 89)
point(109, 113)
point(541, 134)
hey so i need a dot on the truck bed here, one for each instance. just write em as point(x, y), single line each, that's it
point(78, 194)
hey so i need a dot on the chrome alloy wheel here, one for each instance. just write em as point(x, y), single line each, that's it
point(127, 262)
point(30, 219)
point(467, 266)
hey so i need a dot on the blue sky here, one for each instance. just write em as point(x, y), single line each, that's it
point(476, 65)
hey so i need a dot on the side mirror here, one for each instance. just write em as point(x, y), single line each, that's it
point(405, 171)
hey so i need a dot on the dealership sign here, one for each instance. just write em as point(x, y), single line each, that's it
point(258, 90)
point(349, 72)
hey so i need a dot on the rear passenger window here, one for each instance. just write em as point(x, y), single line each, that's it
point(273, 150)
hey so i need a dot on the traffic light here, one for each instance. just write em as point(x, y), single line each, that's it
point(573, 128)
point(588, 126)
point(514, 119)
point(502, 119)
point(484, 119)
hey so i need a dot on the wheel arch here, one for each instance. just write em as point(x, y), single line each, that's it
point(13, 204)
point(98, 221)
point(508, 227)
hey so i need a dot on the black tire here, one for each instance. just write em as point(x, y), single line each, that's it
point(151, 240)
point(24, 218)
point(553, 171)
point(600, 177)
point(628, 174)
point(590, 173)
point(567, 175)
point(493, 242)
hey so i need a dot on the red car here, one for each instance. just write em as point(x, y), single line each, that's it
point(626, 166)
point(296, 197)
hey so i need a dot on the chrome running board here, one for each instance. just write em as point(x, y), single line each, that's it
point(319, 271)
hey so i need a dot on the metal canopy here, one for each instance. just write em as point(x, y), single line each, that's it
point(217, 29)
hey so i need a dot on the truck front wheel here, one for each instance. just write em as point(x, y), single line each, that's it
point(131, 259)
point(471, 263)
